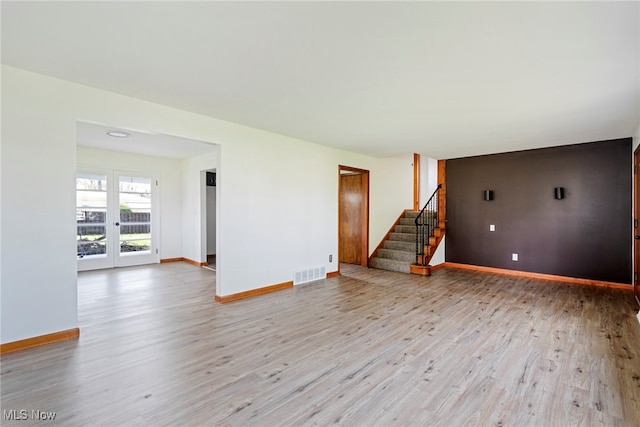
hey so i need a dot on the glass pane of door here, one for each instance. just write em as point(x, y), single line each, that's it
point(91, 215)
point(114, 219)
point(135, 215)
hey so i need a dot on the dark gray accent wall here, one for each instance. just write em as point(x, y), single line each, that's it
point(588, 234)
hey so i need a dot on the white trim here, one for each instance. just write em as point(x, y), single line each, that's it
point(113, 258)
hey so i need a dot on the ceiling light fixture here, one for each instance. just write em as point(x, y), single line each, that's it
point(118, 134)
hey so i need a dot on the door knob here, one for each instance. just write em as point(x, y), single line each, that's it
point(637, 237)
point(117, 224)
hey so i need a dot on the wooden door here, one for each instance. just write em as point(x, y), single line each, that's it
point(353, 216)
point(350, 219)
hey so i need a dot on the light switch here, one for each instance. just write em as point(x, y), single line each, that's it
point(514, 257)
point(492, 227)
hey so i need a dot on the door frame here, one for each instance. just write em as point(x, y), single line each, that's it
point(416, 182)
point(113, 259)
point(132, 259)
point(106, 261)
point(364, 191)
point(636, 229)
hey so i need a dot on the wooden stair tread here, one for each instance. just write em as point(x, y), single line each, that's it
point(396, 252)
point(422, 270)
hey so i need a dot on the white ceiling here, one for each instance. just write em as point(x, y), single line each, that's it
point(95, 135)
point(446, 79)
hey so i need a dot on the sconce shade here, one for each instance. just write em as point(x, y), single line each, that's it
point(487, 195)
point(558, 193)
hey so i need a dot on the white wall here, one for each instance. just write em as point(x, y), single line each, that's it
point(428, 178)
point(287, 187)
point(38, 276)
point(391, 185)
point(170, 200)
point(439, 256)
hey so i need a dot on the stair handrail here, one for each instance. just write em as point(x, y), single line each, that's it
point(425, 226)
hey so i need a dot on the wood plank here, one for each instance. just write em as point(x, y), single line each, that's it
point(253, 292)
point(164, 260)
point(194, 263)
point(368, 347)
point(422, 270)
point(442, 195)
point(40, 340)
point(518, 273)
point(182, 259)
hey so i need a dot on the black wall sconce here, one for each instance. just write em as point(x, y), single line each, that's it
point(487, 195)
point(558, 193)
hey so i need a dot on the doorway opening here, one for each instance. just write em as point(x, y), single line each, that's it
point(636, 229)
point(163, 223)
point(209, 216)
point(353, 216)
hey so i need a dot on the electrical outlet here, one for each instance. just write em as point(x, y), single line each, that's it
point(330, 258)
point(514, 257)
point(492, 227)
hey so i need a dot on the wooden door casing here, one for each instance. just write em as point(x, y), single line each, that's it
point(350, 218)
point(353, 216)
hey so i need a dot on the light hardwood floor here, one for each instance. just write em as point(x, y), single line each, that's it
point(367, 348)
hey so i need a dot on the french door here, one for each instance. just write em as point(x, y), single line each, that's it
point(116, 219)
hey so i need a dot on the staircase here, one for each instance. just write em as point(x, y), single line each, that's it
point(398, 251)
point(408, 248)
